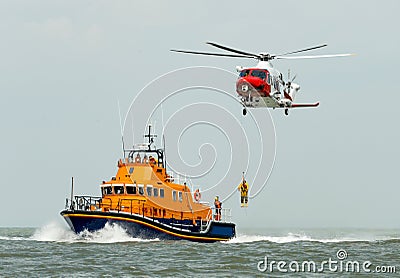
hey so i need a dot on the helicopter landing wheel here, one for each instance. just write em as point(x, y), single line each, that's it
point(244, 111)
point(286, 112)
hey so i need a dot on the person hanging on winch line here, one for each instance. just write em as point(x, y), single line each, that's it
point(244, 190)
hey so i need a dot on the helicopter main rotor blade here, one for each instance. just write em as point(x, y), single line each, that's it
point(233, 50)
point(313, 56)
point(211, 54)
point(303, 50)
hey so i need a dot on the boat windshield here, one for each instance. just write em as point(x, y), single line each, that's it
point(107, 190)
point(259, 73)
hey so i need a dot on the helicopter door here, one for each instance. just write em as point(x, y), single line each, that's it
point(275, 90)
point(268, 86)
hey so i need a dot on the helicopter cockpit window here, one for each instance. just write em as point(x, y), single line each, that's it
point(259, 73)
point(244, 73)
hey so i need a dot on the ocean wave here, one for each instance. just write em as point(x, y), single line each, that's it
point(293, 237)
point(111, 233)
point(12, 238)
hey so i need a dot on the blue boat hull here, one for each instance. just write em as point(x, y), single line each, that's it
point(149, 228)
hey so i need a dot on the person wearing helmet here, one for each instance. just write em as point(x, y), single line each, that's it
point(152, 161)
point(218, 206)
point(244, 190)
point(138, 159)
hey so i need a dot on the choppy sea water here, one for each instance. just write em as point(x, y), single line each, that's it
point(55, 251)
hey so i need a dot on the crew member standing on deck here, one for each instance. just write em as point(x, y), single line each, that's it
point(218, 206)
point(138, 159)
point(244, 190)
point(152, 161)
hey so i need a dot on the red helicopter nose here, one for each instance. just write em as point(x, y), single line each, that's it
point(254, 81)
point(246, 87)
point(249, 83)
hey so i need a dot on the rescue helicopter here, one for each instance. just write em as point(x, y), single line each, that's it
point(263, 85)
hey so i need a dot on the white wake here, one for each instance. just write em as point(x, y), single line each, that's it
point(293, 237)
point(111, 233)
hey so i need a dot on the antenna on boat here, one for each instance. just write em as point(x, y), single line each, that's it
point(150, 136)
point(122, 133)
point(72, 193)
point(163, 137)
point(155, 130)
point(133, 132)
point(165, 154)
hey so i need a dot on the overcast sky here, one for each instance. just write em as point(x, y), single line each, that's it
point(64, 65)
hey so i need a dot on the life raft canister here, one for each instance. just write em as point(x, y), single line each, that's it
point(197, 195)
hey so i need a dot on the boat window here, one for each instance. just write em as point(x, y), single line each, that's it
point(174, 195)
point(155, 192)
point(180, 196)
point(258, 73)
point(131, 189)
point(244, 73)
point(141, 189)
point(107, 190)
point(161, 192)
point(119, 189)
point(131, 170)
point(149, 190)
